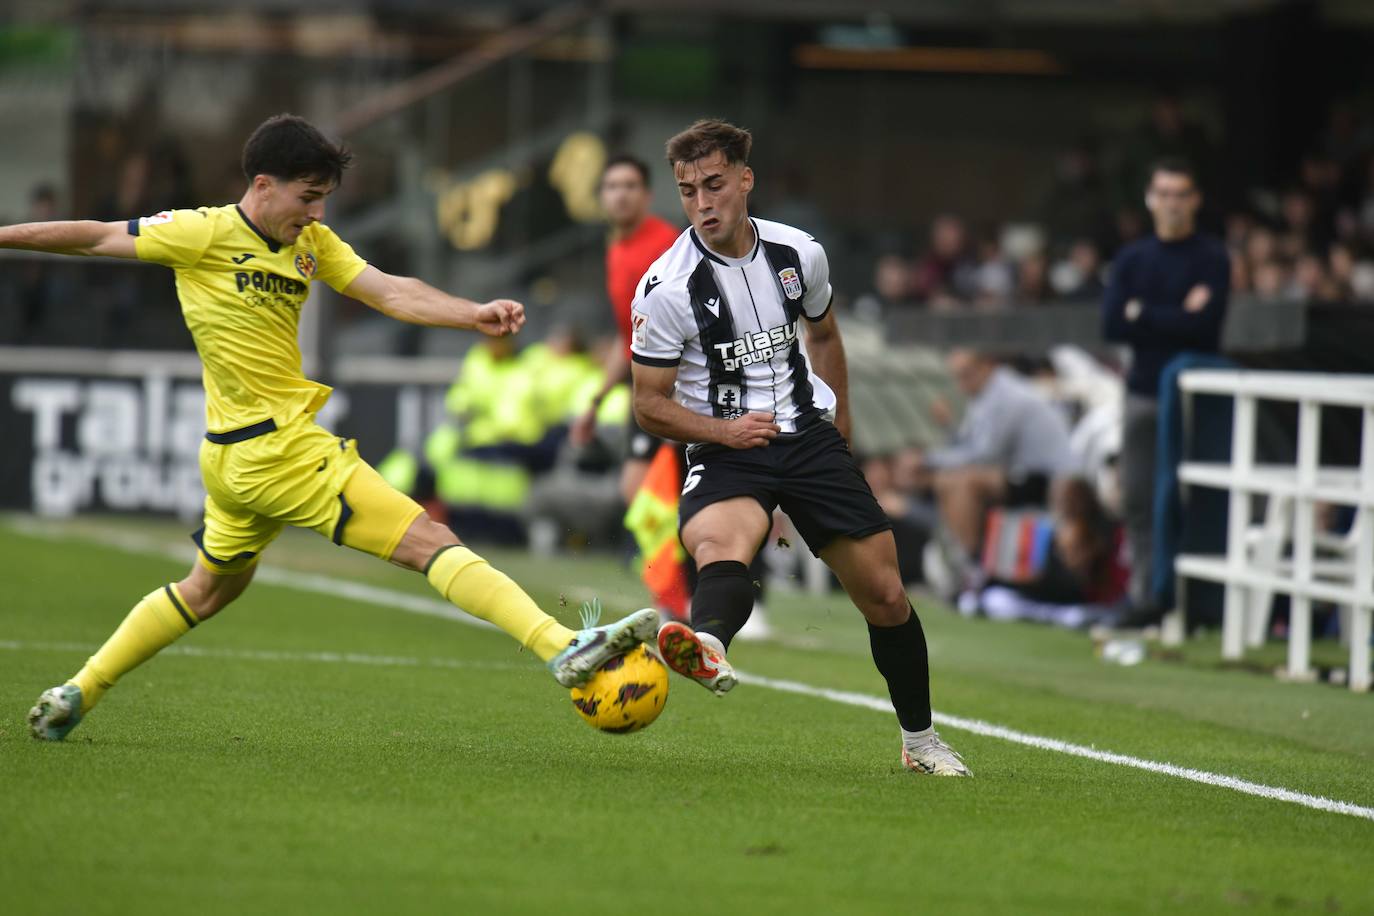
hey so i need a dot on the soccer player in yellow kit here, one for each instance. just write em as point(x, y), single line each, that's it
point(243, 273)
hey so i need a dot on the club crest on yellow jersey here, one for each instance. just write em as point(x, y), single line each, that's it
point(305, 264)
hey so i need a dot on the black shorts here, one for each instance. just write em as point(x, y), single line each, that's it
point(639, 445)
point(811, 475)
point(1031, 490)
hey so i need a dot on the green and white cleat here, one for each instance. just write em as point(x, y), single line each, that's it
point(933, 757)
point(594, 645)
point(56, 713)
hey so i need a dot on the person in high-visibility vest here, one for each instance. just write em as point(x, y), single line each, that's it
point(490, 404)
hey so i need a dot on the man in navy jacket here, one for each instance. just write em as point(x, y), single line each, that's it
point(1166, 295)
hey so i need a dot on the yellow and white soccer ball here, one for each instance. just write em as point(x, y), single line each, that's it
point(626, 694)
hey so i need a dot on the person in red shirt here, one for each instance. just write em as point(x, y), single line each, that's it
point(637, 239)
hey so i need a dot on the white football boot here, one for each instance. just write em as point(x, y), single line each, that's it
point(56, 713)
point(687, 654)
point(928, 754)
point(593, 646)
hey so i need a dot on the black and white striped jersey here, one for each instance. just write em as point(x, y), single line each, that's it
point(732, 325)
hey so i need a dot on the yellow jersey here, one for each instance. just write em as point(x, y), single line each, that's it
point(241, 295)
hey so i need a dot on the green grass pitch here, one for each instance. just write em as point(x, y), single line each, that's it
point(312, 753)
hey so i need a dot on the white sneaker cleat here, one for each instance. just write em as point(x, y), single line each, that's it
point(685, 652)
point(593, 646)
point(932, 756)
point(56, 713)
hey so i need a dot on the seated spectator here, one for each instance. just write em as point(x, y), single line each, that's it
point(993, 278)
point(1340, 262)
point(1260, 247)
point(1008, 448)
point(1069, 571)
point(1086, 545)
point(1239, 226)
point(1269, 279)
point(1078, 276)
point(1309, 282)
point(946, 267)
point(1362, 280)
point(1033, 280)
point(891, 289)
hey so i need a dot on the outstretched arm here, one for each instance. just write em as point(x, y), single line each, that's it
point(78, 237)
point(414, 301)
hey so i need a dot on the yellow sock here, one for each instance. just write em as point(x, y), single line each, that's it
point(470, 583)
point(155, 623)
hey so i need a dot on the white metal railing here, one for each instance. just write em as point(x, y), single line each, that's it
point(1318, 567)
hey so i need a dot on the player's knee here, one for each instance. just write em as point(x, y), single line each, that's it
point(206, 594)
point(887, 604)
point(716, 547)
point(424, 539)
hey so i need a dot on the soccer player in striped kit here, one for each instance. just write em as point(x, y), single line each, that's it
point(721, 362)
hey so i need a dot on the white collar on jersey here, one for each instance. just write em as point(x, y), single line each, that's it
point(722, 259)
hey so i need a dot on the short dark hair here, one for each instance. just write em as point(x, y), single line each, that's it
point(634, 162)
point(290, 148)
point(707, 136)
point(1174, 166)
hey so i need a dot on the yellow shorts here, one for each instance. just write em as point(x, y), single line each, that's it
point(300, 475)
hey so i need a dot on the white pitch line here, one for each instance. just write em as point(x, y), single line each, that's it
point(273, 575)
point(367, 594)
point(273, 655)
point(991, 730)
point(416, 604)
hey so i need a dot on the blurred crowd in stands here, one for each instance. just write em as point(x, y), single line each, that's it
point(1000, 474)
point(1311, 239)
point(1308, 238)
point(61, 303)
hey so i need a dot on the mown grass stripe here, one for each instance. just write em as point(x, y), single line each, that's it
point(417, 604)
point(992, 730)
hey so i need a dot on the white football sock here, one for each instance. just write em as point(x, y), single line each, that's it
point(708, 640)
point(910, 739)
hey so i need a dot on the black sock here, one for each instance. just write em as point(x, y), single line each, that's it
point(900, 654)
point(723, 600)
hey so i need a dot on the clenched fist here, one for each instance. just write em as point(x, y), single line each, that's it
point(500, 317)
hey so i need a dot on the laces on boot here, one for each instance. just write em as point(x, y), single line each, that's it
point(590, 613)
